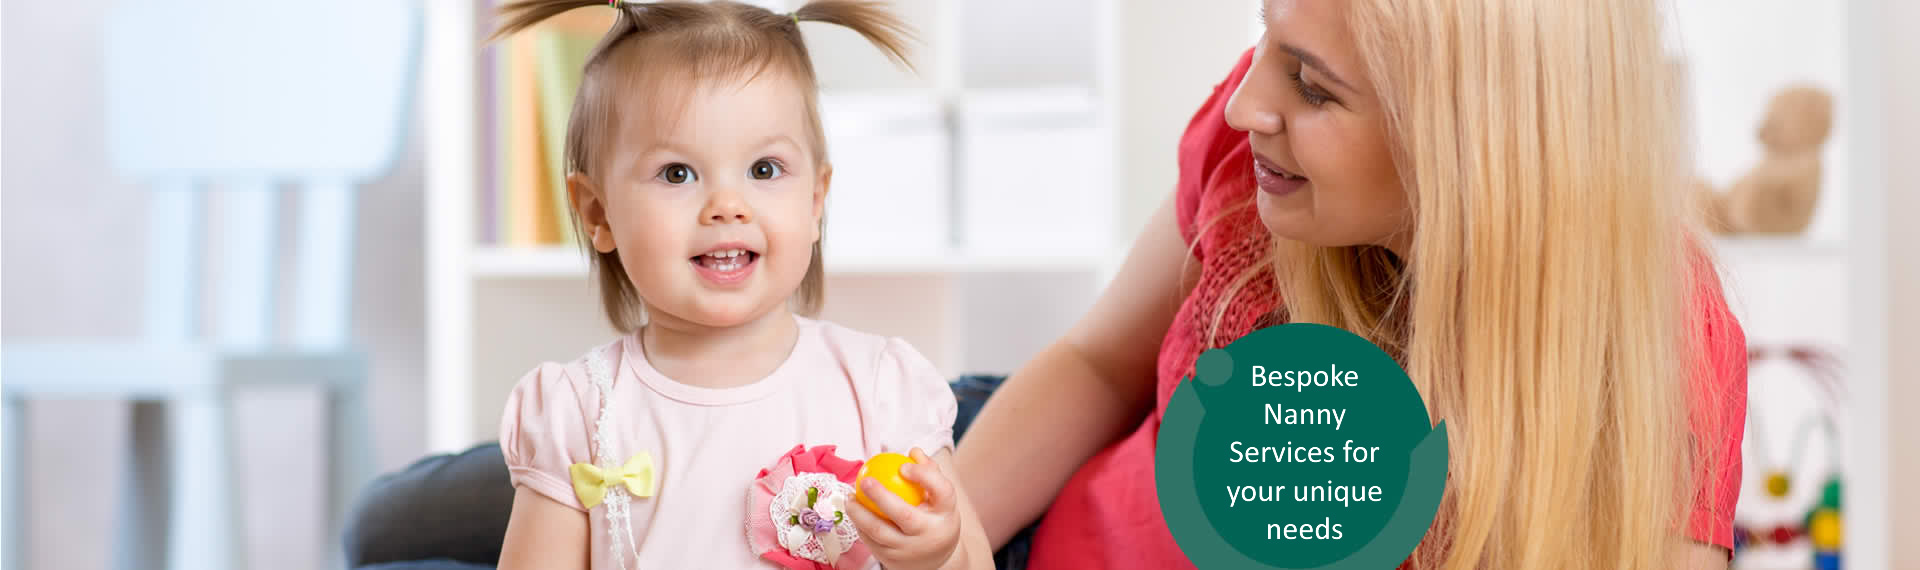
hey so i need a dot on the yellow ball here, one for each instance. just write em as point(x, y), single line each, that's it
point(1778, 484)
point(885, 468)
point(1824, 529)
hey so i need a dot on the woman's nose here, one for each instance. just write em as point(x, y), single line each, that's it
point(1254, 106)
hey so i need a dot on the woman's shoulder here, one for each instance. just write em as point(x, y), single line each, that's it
point(1717, 337)
point(1717, 400)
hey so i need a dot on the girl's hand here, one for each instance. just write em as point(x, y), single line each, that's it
point(925, 536)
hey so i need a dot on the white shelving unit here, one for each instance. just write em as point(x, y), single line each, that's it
point(1814, 289)
point(495, 312)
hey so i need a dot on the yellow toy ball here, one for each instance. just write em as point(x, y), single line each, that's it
point(1824, 529)
point(885, 468)
point(1778, 485)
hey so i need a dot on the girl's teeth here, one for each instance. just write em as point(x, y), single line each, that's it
point(725, 260)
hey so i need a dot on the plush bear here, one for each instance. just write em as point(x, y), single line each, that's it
point(1777, 196)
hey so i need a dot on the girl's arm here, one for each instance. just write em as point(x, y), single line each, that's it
point(1086, 390)
point(542, 533)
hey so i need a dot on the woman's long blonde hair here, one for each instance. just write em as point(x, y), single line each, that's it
point(1541, 307)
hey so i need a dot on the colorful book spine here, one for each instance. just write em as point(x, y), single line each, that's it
point(536, 75)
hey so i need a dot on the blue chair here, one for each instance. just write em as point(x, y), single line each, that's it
point(239, 104)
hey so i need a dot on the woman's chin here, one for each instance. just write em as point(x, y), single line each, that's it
point(1289, 219)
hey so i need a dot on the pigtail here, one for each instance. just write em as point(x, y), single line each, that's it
point(519, 15)
point(869, 18)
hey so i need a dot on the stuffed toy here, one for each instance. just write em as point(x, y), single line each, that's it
point(1778, 195)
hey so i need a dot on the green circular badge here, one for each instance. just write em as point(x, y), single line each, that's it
point(1299, 446)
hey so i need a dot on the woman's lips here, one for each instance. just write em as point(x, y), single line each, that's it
point(1274, 180)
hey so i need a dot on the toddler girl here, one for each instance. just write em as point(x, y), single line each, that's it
point(723, 430)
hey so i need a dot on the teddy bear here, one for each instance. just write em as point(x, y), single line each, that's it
point(1777, 196)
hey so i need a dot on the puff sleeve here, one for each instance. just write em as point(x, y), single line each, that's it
point(544, 430)
point(915, 406)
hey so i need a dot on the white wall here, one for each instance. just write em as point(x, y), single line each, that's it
point(1896, 54)
point(1740, 53)
point(73, 269)
point(1171, 56)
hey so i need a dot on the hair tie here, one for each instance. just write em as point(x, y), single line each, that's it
point(796, 18)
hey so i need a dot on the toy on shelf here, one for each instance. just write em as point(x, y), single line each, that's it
point(1778, 195)
point(1822, 525)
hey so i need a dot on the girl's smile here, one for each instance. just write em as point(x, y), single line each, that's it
point(725, 265)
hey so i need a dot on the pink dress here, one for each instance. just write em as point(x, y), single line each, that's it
point(863, 393)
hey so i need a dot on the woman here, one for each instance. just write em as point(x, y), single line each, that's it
point(1488, 190)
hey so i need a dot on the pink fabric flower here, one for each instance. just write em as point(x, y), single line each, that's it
point(796, 511)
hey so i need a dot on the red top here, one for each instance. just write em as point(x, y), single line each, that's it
point(1108, 515)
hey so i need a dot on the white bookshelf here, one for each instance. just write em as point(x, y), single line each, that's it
point(1823, 288)
point(496, 311)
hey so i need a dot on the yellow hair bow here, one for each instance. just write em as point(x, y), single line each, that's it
point(590, 482)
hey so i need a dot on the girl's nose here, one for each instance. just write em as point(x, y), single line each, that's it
point(726, 207)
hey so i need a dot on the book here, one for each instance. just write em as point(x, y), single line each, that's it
point(561, 55)
point(537, 73)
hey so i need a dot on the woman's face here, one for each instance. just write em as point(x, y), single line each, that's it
point(1319, 135)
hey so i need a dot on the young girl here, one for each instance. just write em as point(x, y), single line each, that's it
point(724, 430)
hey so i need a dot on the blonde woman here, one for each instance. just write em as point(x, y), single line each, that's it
point(1487, 189)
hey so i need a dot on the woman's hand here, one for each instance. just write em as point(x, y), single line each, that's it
point(928, 536)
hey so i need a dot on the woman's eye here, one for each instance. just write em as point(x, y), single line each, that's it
point(765, 169)
point(1313, 95)
point(677, 173)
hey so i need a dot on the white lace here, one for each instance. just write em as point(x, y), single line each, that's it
point(619, 521)
point(833, 495)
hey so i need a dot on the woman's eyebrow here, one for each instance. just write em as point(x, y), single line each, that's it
point(1308, 59)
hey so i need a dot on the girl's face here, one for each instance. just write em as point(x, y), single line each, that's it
point(1319, 135)
point(714, 209)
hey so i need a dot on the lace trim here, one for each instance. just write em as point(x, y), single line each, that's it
point(810, 543)
point(619, 518)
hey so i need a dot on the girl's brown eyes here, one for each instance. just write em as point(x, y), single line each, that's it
point(766, 169)
point(677, 173)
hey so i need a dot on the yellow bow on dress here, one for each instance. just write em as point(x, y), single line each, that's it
point(590, 482)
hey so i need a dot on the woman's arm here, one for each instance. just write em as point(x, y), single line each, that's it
point(542, 533)
point(1081, 393)
point(975, 550)
point(1698, 556)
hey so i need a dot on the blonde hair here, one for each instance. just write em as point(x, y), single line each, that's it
point(1541, 310)
point(698, 40)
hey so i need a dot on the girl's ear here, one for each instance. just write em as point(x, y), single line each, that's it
point(820, 198)
point(591, 210)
